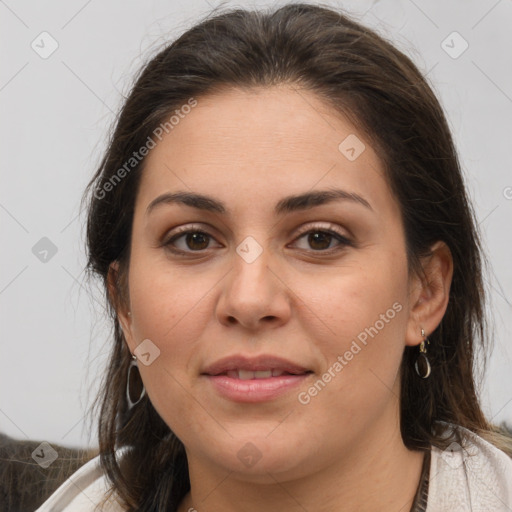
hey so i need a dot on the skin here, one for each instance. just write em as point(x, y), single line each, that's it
point(249, 149)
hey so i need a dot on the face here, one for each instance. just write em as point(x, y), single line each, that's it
point(274, 326)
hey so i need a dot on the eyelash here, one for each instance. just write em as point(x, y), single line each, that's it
point(343, 241)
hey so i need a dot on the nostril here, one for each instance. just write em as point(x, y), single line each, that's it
point(270, 318)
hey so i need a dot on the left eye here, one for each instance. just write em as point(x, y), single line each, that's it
point(321, 239)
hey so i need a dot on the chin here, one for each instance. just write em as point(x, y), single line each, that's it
point(262, 457)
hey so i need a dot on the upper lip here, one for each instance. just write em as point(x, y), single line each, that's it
point(259, 363)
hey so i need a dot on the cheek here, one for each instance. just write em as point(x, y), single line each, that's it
point(359, 380)
point(356, 297)
point(170, 309)
point(365, 310)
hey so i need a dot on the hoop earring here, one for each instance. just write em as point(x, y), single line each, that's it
point(422, 364)
point(131, 403)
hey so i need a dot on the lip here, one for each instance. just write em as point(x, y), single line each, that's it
point(257, 389)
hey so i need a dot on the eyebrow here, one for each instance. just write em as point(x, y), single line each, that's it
point(285, 205)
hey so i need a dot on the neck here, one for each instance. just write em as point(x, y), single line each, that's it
point(377, 474)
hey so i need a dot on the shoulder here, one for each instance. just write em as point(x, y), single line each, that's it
point(83, 491)
point(472, 475)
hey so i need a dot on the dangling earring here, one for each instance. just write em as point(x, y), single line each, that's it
point(422, 364)
point(131, 403)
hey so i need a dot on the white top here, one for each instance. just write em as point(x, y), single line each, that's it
point(477, 479)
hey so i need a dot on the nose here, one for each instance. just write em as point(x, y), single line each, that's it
point(254, 294)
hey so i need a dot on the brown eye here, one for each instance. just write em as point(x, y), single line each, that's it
point(319, 240)
point(197, 240)
point(188, 241)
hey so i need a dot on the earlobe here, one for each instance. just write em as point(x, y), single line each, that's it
point(430, 293)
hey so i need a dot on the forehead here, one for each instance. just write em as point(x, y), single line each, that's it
point(260, 142)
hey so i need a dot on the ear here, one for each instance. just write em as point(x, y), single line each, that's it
point(429, 293)
point(121, 307)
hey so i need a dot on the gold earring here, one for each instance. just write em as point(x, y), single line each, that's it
point(422, 364)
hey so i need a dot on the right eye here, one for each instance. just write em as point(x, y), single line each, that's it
point(190, 239)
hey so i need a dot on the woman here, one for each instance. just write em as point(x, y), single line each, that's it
point(294, 276)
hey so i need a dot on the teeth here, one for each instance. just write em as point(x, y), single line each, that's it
point(248, 374)
point(245, 375)
point(263, 374)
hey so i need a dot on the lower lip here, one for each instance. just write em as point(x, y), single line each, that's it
point(255, 390)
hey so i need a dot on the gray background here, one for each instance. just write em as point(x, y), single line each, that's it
point(56, 113)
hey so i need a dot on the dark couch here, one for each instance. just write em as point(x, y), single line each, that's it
point(24, 483)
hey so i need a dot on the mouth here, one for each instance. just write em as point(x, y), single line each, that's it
point(259, 374)
point(257, 379)
point(259, 367)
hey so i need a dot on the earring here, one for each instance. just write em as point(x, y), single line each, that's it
point(422, 364)
point(130, 383)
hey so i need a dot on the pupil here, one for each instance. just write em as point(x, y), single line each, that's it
point(193, 238)
point(314, 237)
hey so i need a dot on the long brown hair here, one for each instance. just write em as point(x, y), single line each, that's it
point(364, 77)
